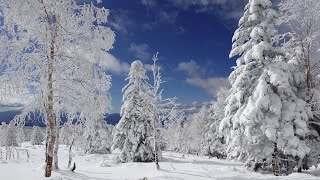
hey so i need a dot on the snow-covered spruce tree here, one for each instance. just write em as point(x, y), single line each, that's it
point(67, 133)
point(198, 127)
point(97, 136)
point(52, 49)
point(263, 114)
point(2, 133)
point(36, 136)
point(10, 135)
point(135, 124)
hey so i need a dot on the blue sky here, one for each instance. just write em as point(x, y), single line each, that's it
point(193, 38)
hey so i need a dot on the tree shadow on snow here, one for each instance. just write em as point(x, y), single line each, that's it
point(189, 174)
point(207, 162)
point(315, 172)
point(78, 176)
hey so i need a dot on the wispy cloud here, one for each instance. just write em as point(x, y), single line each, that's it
point(191, 68)
point(140, 51)
point(149, 3)
point(120, 21)
point(229, 9)
point(159, 13)
point(113, 64)
point(196, 76)
point(106, 60)
point(210, 85)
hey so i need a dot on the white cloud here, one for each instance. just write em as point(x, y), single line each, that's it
point(111, 63)
point(105, 60)
point(148, 67)
point(195, 77)
point(210, 85)
point(226, 9)
point(149, 3)
point(191, 68)
point(140, 51)
point(120, 21)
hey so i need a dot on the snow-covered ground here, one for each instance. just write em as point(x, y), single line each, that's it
point(103, 167)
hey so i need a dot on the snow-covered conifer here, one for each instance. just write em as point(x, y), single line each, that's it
point(97, 136)
point(36, 136)
point(263, 113)
point(135, 125)
point(11, 134)
point(214, 143)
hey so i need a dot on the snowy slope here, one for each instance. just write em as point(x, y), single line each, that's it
point(89, 168)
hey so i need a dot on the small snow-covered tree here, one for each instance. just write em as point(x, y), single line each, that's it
point(197, 128)
point(97, 136)
point(214, 142)
point(54, 49)
point(161, 109)
point(36, 136)
point(67, 133)
point(177, 134)
point(2, 133)
point(135, 124)
point(11, 134)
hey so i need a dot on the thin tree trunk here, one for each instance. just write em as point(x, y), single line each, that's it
point(275, 161)
point(50, 112)
point(70, 157)
point(300, 162)
point(156, 160)
point(56, 147)
point(52, 139)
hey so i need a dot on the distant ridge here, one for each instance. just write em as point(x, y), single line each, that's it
point(6, 116)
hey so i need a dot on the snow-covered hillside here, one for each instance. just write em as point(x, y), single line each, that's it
point(103, 167)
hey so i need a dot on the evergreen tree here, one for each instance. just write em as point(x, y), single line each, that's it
point(36, 136)
point(214, 143)
point(263, 114)
point(135, 126)
point(97, 136)
point(11, 134)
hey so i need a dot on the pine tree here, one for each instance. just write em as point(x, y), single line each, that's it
point(263, 114)
point(11, 134)
point(134, 127)
point(97, 136)
point(36, 136)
